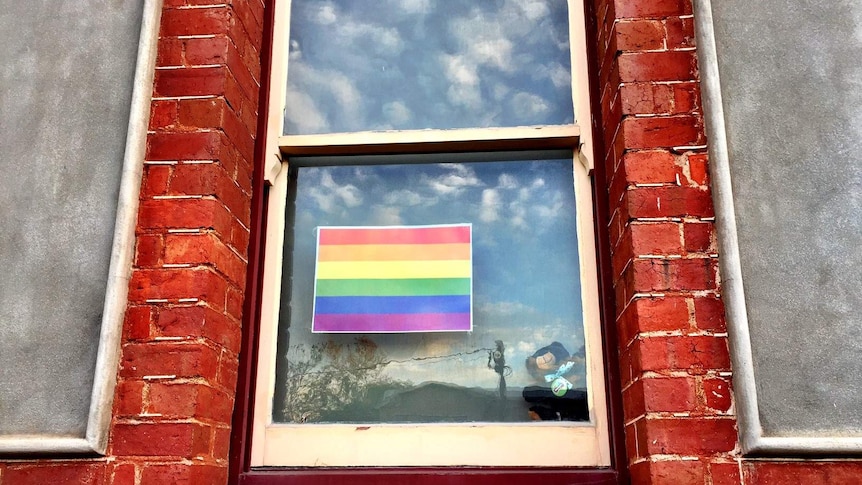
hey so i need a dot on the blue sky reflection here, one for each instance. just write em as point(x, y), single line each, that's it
point(418, 64)
point(526, 272)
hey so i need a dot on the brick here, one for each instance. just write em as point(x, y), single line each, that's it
point(699, 237)
point(129, 398)
point(184, 214)
point(724, 473)
point(206, 51)
point(228, 372)
point(656, 238)
point(73, 473)
point(669, 472)
point(176, 284)
point(204, 145)
point(183, 474)
point(654, 314)
point(186, 440)
point(802, 473)
point(694, 354)
point(698, 168)
point(155, 180)
point(716, 392)
point(651, 8)
point(211, 179)
point(221, 443)
point(137, 323)
point(201, 113)
point(148, 250)
point(234, 303)
point(198, 21)
point(198, 81)
point(686, 97)
point(163, 114)
point(709, 314)
point(169, 358)
point(651, 275)
point(189, 400)
point(679, 32)
point(650, 167)
point(663, 132)
point(671, 394)
point(658, 66)
point(649, 202)
point(170, 52)
point(122, 474)
point(687, 436)
point(647, 98)
point(640, 35)
point(199, 321)
point(205, 249)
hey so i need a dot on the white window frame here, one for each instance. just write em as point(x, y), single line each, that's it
point(540, 444)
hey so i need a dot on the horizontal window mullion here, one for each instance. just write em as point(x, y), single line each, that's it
point(428, 141)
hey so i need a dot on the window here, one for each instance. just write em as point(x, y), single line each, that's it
point(430, 292)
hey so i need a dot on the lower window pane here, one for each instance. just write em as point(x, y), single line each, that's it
point(524, 358)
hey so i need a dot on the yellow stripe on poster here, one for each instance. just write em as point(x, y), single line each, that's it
point(329, 270)
point(393, 252)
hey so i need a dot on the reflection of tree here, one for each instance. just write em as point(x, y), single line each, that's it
point(323, 381)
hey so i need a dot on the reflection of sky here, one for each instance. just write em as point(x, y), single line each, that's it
point(525, 278)
point(415, 64)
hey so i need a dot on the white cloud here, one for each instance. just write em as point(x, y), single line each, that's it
point(459, 178)
point(533, 9)
point(387, 216)
point(404, 197)
point(530, 106)
point(507, 181)
point(302, 114)
point(415, 6)
point(326, 14)
point(397, 113)
point(489, 210)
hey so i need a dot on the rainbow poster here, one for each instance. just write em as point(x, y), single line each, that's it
point(393, 279)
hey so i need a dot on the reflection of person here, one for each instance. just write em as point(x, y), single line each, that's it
point(554, 399)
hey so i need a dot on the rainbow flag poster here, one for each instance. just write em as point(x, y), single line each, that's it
point(394, 279)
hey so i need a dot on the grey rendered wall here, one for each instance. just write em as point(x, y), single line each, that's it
point(71, 143)
point(782, 83)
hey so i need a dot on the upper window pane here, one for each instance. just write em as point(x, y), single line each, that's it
point(420, 64)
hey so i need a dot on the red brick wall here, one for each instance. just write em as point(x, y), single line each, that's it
point(177, 378)
point(674, 363)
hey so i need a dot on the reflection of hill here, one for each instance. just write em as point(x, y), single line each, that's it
point(437, 402)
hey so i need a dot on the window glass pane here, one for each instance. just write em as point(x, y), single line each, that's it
point(417, 64)
point(528, 332)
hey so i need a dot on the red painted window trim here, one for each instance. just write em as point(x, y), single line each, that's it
point(239, 470)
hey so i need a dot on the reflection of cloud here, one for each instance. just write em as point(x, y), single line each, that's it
point(387, 216)
point(331, 196)
point(302, 114)
point(489, 210)
point(325, 14)
point(405, 197)
point(532, 107)
point(415, 6)
point(453, 183)
point(397, 113)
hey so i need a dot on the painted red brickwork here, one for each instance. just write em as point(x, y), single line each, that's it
point(674, 363)
point(177, 377)
point(183, 330)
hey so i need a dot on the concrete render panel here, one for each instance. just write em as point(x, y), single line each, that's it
point(782, 86)
point(75, 84)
